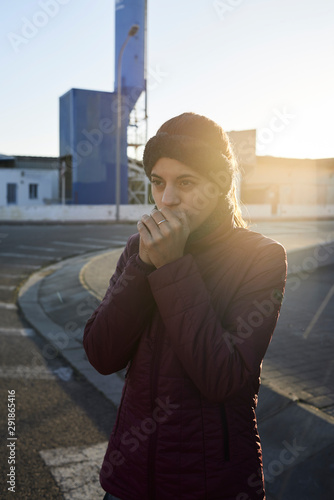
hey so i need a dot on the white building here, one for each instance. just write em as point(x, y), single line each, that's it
point(28, 180)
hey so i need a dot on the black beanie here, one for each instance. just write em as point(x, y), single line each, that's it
point(204, 158)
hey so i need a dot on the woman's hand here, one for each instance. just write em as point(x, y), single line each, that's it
point(163, 236)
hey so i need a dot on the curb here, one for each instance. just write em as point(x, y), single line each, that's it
point(59, 341)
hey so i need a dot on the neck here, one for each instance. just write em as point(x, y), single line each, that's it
point(215, 219)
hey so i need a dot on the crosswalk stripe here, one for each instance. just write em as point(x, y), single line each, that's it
point(108, 242)
point(25, 256)
point(66, 464)
point(25, 266)
point(36, 372)
point(118, 242)
point(7, 305)
point(22, 332)
point(42, 249)
point(13, 276)
point(26, 372)
point(75, 244)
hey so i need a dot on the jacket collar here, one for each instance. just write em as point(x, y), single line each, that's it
point(214, 228)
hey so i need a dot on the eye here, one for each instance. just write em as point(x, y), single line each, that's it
point(186, 183)
point(157, 182)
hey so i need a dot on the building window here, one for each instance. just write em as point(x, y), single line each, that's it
point(11, 193)
point(33, 191)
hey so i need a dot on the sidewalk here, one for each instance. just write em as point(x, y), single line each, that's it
point(58, 300)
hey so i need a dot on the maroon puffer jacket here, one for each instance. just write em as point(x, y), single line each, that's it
point(193, 334)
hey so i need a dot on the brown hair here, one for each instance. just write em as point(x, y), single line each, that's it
point(171, 140)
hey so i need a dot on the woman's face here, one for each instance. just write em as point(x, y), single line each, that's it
point(182, 189)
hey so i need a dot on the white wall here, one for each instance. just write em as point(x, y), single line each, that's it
point(306, 210)
point(47, 182)
point(134, 212)
point(256, 211)
point(73, 212)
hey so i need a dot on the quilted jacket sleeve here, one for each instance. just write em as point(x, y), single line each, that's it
point(112, 332)
point(220, 355)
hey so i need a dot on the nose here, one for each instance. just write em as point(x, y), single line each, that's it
point(170, 196)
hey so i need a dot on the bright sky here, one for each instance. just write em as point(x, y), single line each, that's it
point(264, 64)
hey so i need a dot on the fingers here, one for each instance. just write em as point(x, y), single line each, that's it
point(161, 222)
point(164, 216)
point(154, 221)
point(143, 231)
point(148, 226)
point(163, 235)
point(174, 218)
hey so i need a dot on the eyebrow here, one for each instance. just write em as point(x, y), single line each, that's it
point(179, 177)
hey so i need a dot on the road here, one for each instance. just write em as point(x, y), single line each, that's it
point(57, 409)
point(55, 406)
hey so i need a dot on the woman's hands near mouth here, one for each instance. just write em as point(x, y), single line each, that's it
point(163, 236)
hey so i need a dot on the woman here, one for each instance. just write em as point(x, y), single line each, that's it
point(190, 311)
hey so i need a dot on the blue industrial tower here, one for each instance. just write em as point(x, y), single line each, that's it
point(88, 118)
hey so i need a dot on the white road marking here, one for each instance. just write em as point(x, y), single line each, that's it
point(7, 305)
point(7, 287)
point(25, 266)
point(26, 372)
point(118, 242)
point(107, 242)
point(14, 276)
point(36, 372)
point(75, 244)
point(76, 470)
point(64, 373)
point(24, 332)
point(42, 249)
point(25, 256)
point(319, 312)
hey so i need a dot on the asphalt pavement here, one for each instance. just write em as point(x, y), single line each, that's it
point(296, 404)
point(51, 406)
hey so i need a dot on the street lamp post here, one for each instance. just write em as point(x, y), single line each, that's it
point(133, 30)
point(62, 172)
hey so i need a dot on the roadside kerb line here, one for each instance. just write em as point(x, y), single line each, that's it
point(28, 299)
